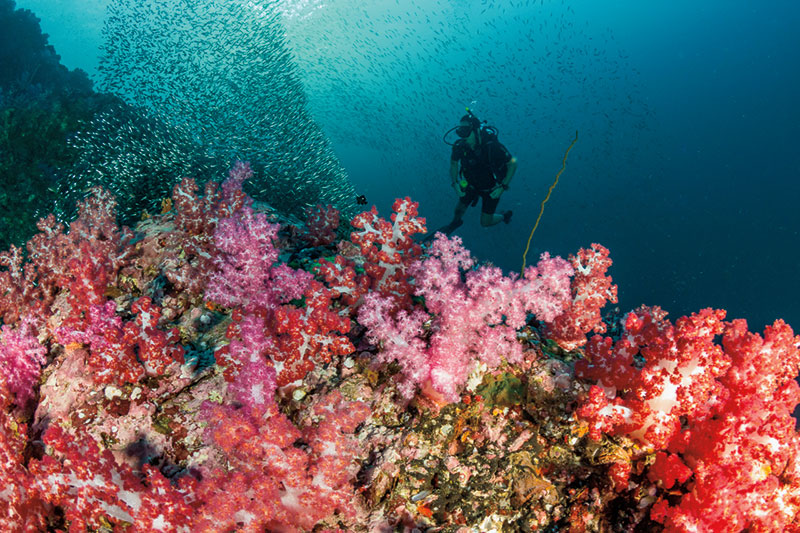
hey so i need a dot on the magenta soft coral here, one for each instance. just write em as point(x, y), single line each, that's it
point(185, 254)
point(252, 379)
point(113, 345)
point(399, 333)
point(248, 274)
point(251, 279)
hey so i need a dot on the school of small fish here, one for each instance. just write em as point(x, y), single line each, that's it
point(212, 82)
point(283, 83)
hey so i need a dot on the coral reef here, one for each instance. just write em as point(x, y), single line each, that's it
point(219, 368)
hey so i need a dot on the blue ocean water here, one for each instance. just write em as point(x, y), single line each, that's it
point(687, 163)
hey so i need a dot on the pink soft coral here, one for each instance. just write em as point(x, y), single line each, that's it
point(476, 315)
point(21, 360)
point(248, 274)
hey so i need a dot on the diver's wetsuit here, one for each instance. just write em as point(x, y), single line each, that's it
point(479, 168)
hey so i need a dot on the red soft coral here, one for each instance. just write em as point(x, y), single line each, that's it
point(742, 449)
point(185, 254)
point(591, 289)
point(677, 379)
point(156, 349)
point(83, 479)
point(113, 346)
point(275, 484)
point(345, 284)
point(20, 509)
point(85, 260)
point(719, 416)
point(321, 225)
point(388, 248)
point(308, 335)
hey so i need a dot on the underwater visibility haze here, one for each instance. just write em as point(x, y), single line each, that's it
point(687, 166)
point(234, 321)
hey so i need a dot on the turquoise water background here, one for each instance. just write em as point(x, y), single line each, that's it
point(688, 163)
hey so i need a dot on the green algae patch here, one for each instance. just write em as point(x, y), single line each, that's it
point(502, 389)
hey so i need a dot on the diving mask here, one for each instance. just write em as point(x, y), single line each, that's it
point(463, 131)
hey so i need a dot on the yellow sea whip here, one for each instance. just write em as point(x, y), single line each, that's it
point(553, 186)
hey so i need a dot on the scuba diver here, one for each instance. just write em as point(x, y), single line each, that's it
point(480, 168)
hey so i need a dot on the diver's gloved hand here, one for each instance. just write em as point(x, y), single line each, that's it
point(460, 187)
point(496, 192)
